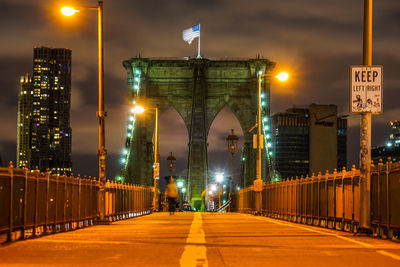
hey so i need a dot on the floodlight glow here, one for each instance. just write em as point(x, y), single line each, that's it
point(260, 72)
point(183, 190)
point(265, 119)
point(131, 118)
point(210, 192)
point(283, 76)
point(137, 110)
point(68, 11)
point(220, 177)
point(179, 184)
point(125, 152)
point(214, 187)
point(388, 144)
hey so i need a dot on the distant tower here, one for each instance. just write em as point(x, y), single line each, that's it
point(44, 132)
point(24, 120)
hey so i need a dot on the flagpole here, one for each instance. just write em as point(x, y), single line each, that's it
point(198, 47)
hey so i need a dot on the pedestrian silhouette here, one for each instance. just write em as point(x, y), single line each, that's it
point(171, 193)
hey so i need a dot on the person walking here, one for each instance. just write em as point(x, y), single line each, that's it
point(171, 193)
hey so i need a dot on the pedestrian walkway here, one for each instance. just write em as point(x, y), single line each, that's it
point(202, 239)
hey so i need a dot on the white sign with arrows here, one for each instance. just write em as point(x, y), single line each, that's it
point(366, 87)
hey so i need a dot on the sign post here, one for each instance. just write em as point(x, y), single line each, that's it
point(366, 99)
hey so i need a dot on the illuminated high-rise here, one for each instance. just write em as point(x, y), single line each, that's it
point(44, 132)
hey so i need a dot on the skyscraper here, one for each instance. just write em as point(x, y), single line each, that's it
point(44, 132)
point(309, 140)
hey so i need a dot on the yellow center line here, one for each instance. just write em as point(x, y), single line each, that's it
point(195, 255)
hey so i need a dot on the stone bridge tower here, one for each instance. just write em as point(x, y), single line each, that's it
point(198, 89)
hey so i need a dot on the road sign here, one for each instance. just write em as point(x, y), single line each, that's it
point(366, 87)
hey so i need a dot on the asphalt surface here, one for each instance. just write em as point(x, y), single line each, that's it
point(202, 239)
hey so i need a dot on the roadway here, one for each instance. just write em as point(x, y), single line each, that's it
point(202, 239)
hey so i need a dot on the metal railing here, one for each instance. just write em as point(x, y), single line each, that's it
point(330, 200)
point(34, 203)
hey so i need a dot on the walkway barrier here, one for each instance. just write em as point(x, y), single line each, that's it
point(330, 200)
point(34, 203)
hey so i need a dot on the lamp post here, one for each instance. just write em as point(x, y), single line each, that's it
point(101, 114)
point(365, 130)
point(156, 166)
point(258, 183)
point(232, 141)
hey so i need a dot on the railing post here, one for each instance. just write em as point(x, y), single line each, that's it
point(334, 197)
point(47, 201)
point(79, 201)
point(327, 198)
point(388, 215)
point(11, 175)
point(353, 169)
point(55, 203)
point(343, 198)
point(65, 203)
point(25, 201)
point(36, 201)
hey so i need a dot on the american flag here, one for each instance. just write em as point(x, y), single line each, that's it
point(190, 34)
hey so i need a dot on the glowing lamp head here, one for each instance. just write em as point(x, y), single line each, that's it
point(138, 110)
point(68, 11)
point(180, 184)
point(213, 188)
point(220, 177)
point(283, 76)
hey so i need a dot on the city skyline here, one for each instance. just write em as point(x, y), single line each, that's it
point(316, 41)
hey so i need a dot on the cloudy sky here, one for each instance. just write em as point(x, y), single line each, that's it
point(315, 40)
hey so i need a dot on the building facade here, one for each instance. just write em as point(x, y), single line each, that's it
point(309, 140)
point(44, 132)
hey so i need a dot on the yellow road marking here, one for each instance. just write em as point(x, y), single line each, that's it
point(195, 255)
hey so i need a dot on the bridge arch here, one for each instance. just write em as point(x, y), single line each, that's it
point(198, 89)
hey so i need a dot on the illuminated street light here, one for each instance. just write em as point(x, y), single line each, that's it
point(283, 76)
point(156, 167)
point(220, 177)
point(214, 187)
point(68, 11)
point(101, 114)
point(260, 142)
point(232, 141)
point(138, 109)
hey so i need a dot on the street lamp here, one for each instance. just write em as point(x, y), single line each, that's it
point(258, 183)
point(101, 114)
point(156, 166)
point(171, 164)
point(232, 141)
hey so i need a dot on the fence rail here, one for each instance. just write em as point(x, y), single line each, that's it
point(330, 200)
point(34, 203)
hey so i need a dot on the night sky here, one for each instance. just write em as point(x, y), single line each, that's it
point(316, 41)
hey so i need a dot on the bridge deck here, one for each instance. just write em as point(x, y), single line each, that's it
point(192, 239)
